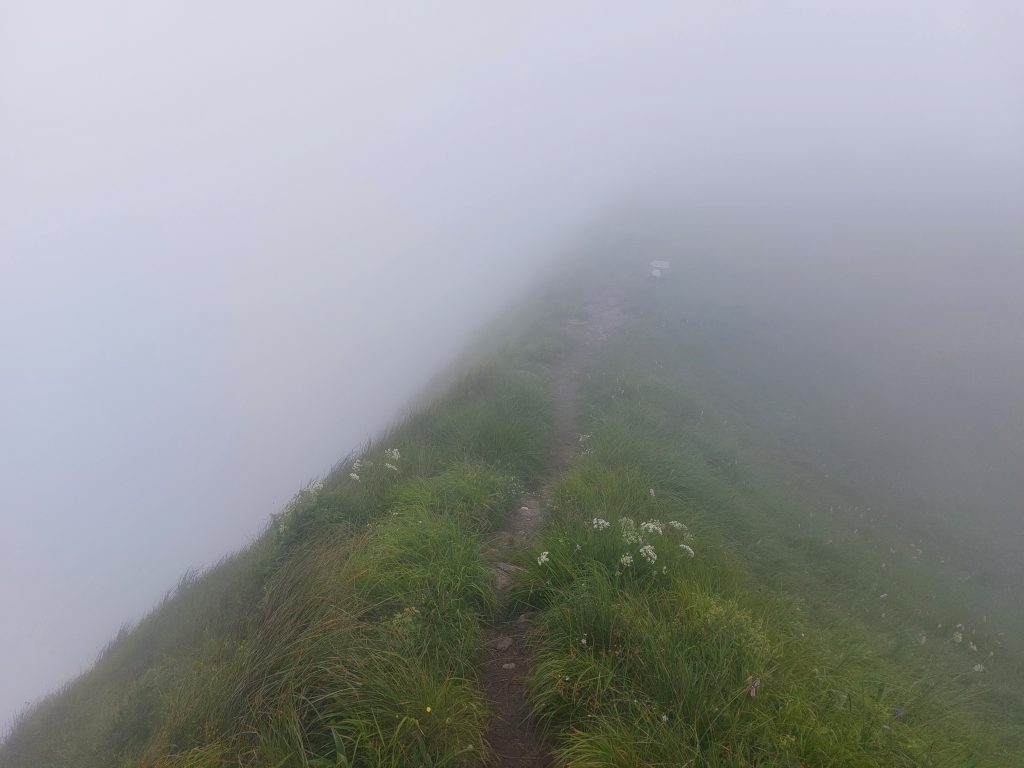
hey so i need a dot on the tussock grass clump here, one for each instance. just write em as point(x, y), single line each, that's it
point(422, 573)
point(474, 492)
point(338, 671)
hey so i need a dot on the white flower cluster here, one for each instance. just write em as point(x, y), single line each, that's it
point(282, 519)
point(958, 636)
point(544, 558)
point(979, 667)
point(630, 535)
point(392, 454)
point(633, 534)
point(390, 466)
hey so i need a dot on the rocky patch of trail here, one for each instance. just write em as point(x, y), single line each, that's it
point(505, 661)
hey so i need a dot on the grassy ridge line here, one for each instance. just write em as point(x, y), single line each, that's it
point(344, 634)
point(851, 552)
point(652, 663)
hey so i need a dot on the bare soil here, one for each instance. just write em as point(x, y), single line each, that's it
point(504, 665)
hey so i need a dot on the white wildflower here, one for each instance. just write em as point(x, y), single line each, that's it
point(648, 553)
point(652, 526)
point(922, 639)
point(664, 718)
point(354, 476)
point(357, 465)
point(629, 532)
point(392, 453)
point(392, 467)
point(687, 549)
point(599, 524)
point(626, 560)
point(958, 637)
point(972, 646)
point(677, 525)
point(543, 558)
point(583, 640)
point(978, 667)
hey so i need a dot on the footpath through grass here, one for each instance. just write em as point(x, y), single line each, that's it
point(346, 634)
point(700, 597)
point(694, 609)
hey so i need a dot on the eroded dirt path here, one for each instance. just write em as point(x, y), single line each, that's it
point(505, 661)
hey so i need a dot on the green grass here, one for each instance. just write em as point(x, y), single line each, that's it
point(347, 634)
point(651, 664)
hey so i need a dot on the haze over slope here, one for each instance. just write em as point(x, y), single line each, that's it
point(235, 240)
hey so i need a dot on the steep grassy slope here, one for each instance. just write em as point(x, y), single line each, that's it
point(345, 634)
point(699, 594)
point(802, 631)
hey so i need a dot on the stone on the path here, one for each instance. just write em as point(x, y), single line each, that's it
point(509, 665)
point(503, 643)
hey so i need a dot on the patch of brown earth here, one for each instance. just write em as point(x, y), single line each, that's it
point(504, 664)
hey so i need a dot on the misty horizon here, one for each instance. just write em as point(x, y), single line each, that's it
point(237, 242)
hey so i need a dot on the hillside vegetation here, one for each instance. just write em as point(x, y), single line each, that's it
point(696, 593)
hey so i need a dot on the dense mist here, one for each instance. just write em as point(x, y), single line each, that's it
point(237, 239)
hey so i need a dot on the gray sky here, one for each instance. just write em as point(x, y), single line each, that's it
point(236, 237)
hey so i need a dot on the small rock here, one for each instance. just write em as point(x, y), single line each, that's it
point(503, 643)
point(510, 665)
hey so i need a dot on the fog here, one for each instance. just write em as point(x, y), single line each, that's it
point(237, 238)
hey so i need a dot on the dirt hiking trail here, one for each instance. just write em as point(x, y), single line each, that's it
point(505, 660)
